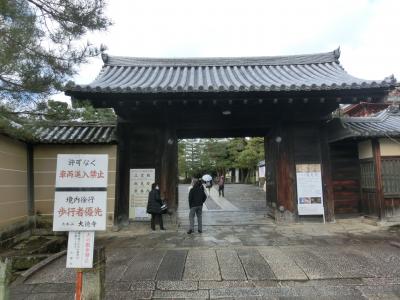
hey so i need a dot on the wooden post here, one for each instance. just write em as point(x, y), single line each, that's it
point(121, 210)
point(285, 173)
point(327, 183)
point(379, 198)
point(169, 170)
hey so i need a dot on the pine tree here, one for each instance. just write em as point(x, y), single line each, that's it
point(40, 44)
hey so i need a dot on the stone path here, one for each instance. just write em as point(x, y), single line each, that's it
point(241, 255)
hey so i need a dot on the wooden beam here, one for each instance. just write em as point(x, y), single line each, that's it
point(379, 198)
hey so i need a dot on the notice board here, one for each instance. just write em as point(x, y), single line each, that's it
point(140, 187)
point(309, 189)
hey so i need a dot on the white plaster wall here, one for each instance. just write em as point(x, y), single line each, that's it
point(365, 149)
point(389, 147)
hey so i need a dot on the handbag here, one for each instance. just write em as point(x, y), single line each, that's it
point(164, 208)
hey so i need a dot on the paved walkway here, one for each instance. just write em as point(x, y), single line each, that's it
point(241, 255)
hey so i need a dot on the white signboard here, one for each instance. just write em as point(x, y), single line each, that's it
point(80, 249)
point(261, 171)
point(81, 170)
point(309, 189)
point(140, 186)
point(76, 211)
point(80, 202)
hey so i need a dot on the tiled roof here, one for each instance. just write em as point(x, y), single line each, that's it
point(280, 73)
point(80, 133)
point(383, 124)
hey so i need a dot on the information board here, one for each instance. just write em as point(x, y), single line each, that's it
point(80, 249)
point(309, 190)
point(140, 186)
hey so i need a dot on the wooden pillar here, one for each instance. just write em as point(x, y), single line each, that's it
point(169, 167)
point(285, 169)
point(327, 183)
point(121, 209)
point(379, 197)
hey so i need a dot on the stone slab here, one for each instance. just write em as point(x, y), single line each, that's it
point(347, 262)
point(172, 265)
point(118, 286)
point(51, 273)
point(281, 264)
point(255, 265)
point(313, 266)
point(201, 265)
point(127, 295)
point(234, 293)
point(144, 265)
point(349, 291)
point(54, 288)
point(230, 265)
point(143, 285)
point(201, 294)
point(386, 257)
point(177, 285)
point(118, 261)
point(51, 296)
point(323, 282)
point(207, 285)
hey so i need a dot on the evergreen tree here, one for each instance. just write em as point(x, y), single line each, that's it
point(40, 44)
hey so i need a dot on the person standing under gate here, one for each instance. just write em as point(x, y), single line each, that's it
point(221, 186)
point(154, 207)
point(197, 197)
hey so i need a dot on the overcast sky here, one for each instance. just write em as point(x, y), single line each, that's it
point(367, 31)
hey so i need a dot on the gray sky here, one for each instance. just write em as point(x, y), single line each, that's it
point(367, 31)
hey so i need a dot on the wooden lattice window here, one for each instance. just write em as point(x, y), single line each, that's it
point(391, 176)
point(367, 174)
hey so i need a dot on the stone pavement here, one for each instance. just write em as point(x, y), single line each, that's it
point(238, 257)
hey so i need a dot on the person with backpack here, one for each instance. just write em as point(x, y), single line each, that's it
point(197, 197)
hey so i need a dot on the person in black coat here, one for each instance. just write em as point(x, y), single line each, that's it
point(154, 207)
point(197, 197)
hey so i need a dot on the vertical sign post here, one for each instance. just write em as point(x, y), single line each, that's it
point(80, 206)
